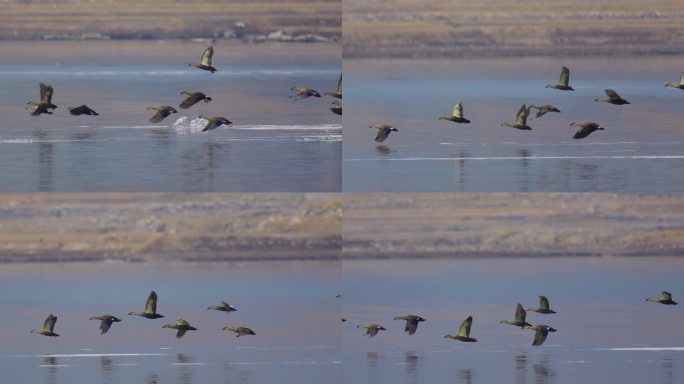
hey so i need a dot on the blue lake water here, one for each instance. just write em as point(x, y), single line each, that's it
point(290, 305)
point(274, 144)
point(640, 149)
point(606, 331)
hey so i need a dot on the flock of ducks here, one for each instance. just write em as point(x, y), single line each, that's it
point(45, 106)
point(585, 129)
point(541, 331)
point(150, 312)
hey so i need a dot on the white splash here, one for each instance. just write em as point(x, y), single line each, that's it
point(185, 126)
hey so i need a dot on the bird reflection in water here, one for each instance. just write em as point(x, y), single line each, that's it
point(383, 150)
point(465, 376)
point(668, 370)
point(521, 369)
point(543, 370)
point(412, 362)
point(50, 364)
point(45, 160)
point(106, 369)
point(240, 374)
point(459, 163)
point(185, 372)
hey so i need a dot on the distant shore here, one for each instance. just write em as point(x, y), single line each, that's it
point(474, 225)
point(168, 227)
point(249, 21)
point(501, 28)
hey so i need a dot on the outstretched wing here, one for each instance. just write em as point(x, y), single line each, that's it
point(207, 55)
point(458, 110)
point(612, 94)
point(43, 91)
point(540, 336)
point(521, 117)
point(681, 79)
point(520, 313)
point(411, 326)
point(667, 295)
point(159, 116)
point(191, 100)
point(151, 304)
point(465, 327)
point(210, 125)
point(372, 330)
point(105, 324)
point(339, 84)
point(565, 76)
point(382, 134)
point(50, 321)
point(180, 333)
point(543, 302)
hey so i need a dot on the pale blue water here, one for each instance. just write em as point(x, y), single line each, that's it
point(290, 305)
point(275, 144)
point(640, 150)
point(606, 331)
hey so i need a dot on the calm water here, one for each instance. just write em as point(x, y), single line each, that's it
point(275, 144)
point(640, 150)
point(291, 307)
point(606, 331)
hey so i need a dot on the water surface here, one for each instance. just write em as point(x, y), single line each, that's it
point(639, 151)
point(290, 305)
point(606, 331)
point(275, 144)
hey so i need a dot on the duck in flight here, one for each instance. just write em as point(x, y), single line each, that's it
point(214, 122)
point(225, 307)
point(162, 112)
point(464, 332)
point(372, 329)
point(303, 93)
point(193, 98)
point(544, 109)
point(613, 98)
point(586, 128)
point(543, 306)
point(541, 331)
point(150, 308)
point(563, 83)
point(82, 110)
point(384, 131)
point(336, 108)
point(181, 326)
point(520, 315)
point(520, 120)
point(456, 115)
point(206, 63)
point(664, 298)
point(48, 327)
point(411, 322)
point(45, 104)
point(679, 85)
point(106, 322)
point(239, 331)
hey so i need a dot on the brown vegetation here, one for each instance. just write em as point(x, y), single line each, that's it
point(498, 28)
point(503, 224)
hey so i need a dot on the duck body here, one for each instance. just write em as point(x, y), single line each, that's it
point(150, 308)
point(541, 332)
point(564, 81)
point(613, 98)
point(664, 298)
point(48, 327)
point(384, 131)
point(520, 120)
point(372, 329)
point(411, 322)
point(214, 122)
point(106, 322)
point(543, 306)
point(520, 315)
point(464, 332)
point(193, 98)
point(206, 64)
point(82, 110)
point(162, 112)
point(586, 128)
point(225, 307)
point(181, 326)
point(239, 331)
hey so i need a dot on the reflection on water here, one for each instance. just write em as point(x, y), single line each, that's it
point(465, 376)
point(543, 370)
point(50, 365)
point(520, 362)
point(185, 371)
point(412, 362)
point(238, 373)
point(667, 366)
point(152, 379)
point(383, 150)
point(106, 369)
